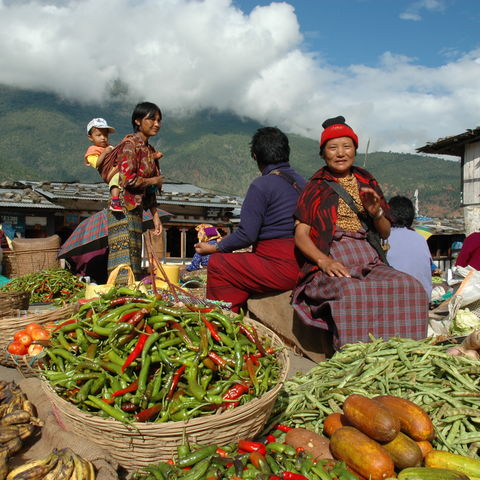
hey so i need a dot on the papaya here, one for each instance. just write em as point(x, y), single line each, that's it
point(361, 453)
point(333, 422)
point(371, 418)
point(425, 473)
point(404, 451)
point(414, 421)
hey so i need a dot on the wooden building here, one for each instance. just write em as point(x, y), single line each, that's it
point(466, 146)
point(39, 209)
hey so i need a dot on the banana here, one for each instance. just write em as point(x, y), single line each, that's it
point(79, 472)
point(12, 446)
point(29, 407)
point(16, 417)
point(7, 432)
point(3, 465)
point(24, 430)
point(34, 470)
point(64, 468)
point(89, 468)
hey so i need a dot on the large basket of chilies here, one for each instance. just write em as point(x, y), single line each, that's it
point(10, 325)
point(200, 374)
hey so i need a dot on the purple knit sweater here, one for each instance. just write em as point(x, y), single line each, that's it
point(267, 211)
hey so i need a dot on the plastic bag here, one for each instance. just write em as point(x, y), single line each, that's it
point(469, 290)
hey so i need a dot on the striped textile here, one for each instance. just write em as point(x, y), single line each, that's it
point(377, 299)
point(233, 277)
point(125, 241)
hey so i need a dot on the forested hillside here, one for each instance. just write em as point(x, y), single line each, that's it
point(43, 137)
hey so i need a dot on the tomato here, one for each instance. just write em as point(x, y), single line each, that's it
point(35, 350)
point(19, 334)
point(39, 333)
point(32, 326)
point(25, 339)
point(17, 348)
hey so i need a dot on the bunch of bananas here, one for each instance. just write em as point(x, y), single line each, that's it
point(59, 465)
point(17, 422)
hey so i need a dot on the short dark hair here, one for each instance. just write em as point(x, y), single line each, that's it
point(142, 110)
point(269, 145)
point(402, 211)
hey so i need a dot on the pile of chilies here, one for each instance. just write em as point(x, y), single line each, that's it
point(135, 358)
point(270, 459)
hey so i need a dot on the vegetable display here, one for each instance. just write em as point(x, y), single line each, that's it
point(45, 286)
point(135, 358)
point(273, 460)
point(443, 385)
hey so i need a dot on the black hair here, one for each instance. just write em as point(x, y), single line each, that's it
point(269, 145)
point(402, 211)
point(142, 110)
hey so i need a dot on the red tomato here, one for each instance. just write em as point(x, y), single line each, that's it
point(39, 333)
point(19, 334)
point(35, 350)
point(32, 326)
point(17, 348)
point(25, 339)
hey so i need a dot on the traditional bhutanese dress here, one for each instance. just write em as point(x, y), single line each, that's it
point(377, 299)
point(135, 162)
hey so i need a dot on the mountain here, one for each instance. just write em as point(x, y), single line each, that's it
point(43, 138)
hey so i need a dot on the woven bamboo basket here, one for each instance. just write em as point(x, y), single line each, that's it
point(25, 364)
point(140, 444)
point(9, 268)
point(10, 325)
point(14, 301)
point(31, 261)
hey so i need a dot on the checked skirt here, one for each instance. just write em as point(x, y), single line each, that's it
point(377, 299)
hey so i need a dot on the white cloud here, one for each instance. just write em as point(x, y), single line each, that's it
point(192, 54)
point(413, 10)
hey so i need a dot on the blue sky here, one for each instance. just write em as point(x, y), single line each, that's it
point(402, 72)
point(345, 32)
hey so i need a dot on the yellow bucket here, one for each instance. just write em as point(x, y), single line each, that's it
point(172, 272)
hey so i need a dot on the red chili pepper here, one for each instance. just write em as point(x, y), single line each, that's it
point(136, 351)
point(170, 462)
point(175, 380)
point(253, 337)
point(300, 449)
point(271, 439)
point(186, 468)
point(122, 300)
point(283, 428)
point(147, 414)
point(250, 447)
point(92, 334)
point(149, 329)
point(67, 322)
point(108, 400)
point(182, 332)
point(212, 330)
point(222, 452)
point(256, 458)
point(89, 313)
point(251, 371)
point(229, 405)
point(236, 391)
point(217, 359)
point(131, 388)
point(293, 476)
point(127, 316)
point(138, 316)
point(254, 359)
point(193, 308)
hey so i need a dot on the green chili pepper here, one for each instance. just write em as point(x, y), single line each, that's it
point(196, 456)
point(109, 409)
point(195, 389)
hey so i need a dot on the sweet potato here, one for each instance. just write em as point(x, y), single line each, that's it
point(311, 442)
point(333, 422)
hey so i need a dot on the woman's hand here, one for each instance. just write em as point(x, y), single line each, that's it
point(157, 224)
point(157, 181)
point(371, 201)
point(204, 248)
point(333, 268)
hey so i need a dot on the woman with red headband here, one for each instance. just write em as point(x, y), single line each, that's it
point(345, 285)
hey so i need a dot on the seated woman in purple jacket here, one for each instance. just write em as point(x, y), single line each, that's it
point(266, 223)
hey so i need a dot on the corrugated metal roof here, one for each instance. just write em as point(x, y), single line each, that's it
point(23, 197)
point(172, 193)
point(453, 145)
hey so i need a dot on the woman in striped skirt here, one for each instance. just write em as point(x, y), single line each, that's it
point(140, 179)
point(344, 285)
